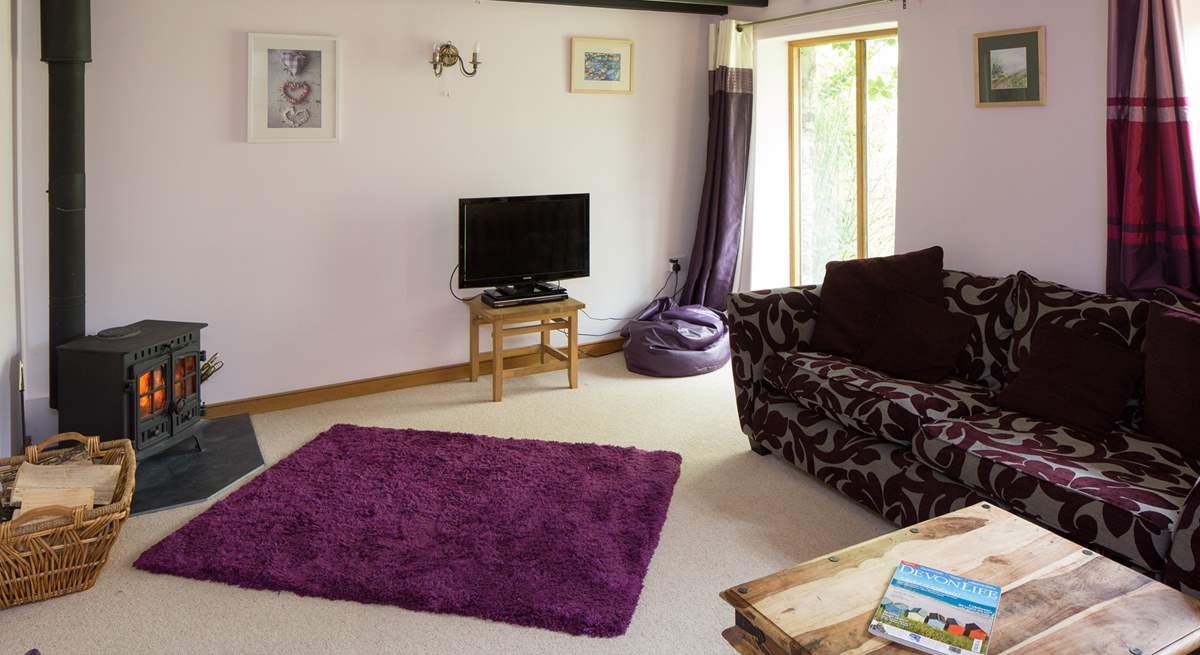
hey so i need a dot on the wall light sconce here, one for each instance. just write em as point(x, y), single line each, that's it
point(447, 56)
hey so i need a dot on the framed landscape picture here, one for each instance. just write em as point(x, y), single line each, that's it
point(1010, 68)
point(601, 65)
point(293, 89)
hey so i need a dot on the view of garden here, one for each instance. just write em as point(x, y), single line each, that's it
point(828, 152)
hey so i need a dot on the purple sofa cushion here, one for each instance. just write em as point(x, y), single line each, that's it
point(877, 474)
point(1122, 491)
point(869, 401)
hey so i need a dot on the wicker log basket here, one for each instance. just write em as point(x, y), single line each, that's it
point(53, 551)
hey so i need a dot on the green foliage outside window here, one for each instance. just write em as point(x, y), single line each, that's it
point(828, 152)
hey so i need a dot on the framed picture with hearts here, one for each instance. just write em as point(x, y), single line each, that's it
point(294, 88)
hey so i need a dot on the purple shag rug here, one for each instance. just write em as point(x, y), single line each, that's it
point(538, 533)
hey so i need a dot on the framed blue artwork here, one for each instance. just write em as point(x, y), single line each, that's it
point(601, 65)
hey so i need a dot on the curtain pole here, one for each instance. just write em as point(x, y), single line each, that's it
point(861, 3)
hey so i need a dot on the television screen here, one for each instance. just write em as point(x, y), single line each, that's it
point(521, 240)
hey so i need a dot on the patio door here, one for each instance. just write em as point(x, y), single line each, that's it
point(842, 136)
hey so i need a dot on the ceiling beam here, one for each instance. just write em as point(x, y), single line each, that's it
point(712, 7)
point(737, 3)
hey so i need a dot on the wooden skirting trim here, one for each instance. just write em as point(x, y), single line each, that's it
point(302, 397)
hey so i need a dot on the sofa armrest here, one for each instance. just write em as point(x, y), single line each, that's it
point(1183, 562)
point(762, 323)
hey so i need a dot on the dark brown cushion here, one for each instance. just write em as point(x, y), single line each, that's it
point(855, 292)
point(1075, 379)
point(916, 340)
point(1172, 360)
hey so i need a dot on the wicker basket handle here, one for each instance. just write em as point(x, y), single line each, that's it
point(48, 512)
point(92, 444)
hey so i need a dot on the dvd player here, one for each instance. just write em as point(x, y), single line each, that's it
point(514, 295)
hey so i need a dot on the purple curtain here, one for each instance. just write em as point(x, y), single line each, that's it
point(730, 111)
point(1153, 221)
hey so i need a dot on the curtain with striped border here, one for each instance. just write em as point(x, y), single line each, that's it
point(1153, 221)
point(722, 204)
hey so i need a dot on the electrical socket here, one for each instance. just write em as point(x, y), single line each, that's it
point(677, 264)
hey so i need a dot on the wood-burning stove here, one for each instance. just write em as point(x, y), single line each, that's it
point(141, 382)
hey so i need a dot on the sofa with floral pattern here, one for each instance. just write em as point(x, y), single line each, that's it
point(912, 450)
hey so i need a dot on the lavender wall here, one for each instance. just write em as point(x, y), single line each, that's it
point(1001, 189)
point(320, 263)
point(1005, 188)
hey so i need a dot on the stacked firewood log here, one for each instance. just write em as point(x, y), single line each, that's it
point(66, 477)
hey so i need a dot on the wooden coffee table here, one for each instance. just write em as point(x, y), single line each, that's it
point(1058, 598)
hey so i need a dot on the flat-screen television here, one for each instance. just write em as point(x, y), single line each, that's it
point(522, 240)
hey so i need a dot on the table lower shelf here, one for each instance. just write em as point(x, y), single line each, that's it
point(742, 642)
point(544, 367)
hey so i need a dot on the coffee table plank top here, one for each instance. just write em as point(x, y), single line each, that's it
point(1057, 596)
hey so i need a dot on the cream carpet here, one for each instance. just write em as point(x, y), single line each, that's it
point(735, 516)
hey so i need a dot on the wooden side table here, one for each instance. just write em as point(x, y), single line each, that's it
point(526, 319)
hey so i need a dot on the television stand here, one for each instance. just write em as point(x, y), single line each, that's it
point(545, 319)
point(524, 294)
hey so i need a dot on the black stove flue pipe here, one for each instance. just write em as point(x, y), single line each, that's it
point(66, 47)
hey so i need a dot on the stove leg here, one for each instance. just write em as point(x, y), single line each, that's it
point(199, 443)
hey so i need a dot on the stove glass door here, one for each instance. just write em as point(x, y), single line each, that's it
point(151, 401)
point(185, 388)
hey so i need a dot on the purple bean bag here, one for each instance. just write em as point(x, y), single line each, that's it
point(669, 341)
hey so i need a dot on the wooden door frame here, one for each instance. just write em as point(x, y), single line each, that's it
point(860, 92)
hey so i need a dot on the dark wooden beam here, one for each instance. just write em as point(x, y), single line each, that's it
point(738, 3)
point(711, 7)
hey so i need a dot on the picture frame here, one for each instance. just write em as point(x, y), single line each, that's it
point(600, 65)
point(1010, 68)
point(293, 88)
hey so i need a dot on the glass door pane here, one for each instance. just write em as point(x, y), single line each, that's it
point(826, 133)
point(160, 389)
point(144, 390)
point(185, 377)
point(152, 391)
point(883, 56)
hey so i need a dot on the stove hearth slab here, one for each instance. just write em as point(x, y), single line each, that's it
point(184, 476)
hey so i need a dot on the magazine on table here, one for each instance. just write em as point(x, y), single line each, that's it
point(936, 612)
